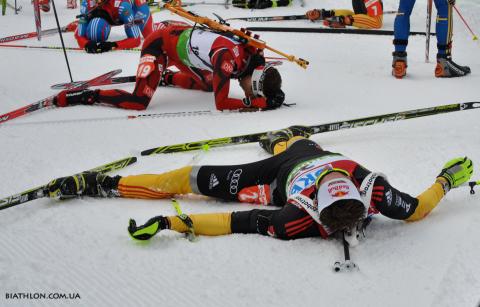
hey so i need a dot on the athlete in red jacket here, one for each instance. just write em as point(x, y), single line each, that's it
point(206, 61)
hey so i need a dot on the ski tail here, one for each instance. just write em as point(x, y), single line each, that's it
point(116, 80)
point(68, 28)
point(4, 7)
point(113, 166)
point(38, 20)
point(17, 37)
point(47, 102)
point(41, 191)
point(93, 82)
point(205, 144)
point(322, 128)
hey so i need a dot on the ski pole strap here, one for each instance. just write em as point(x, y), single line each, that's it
point(185, 219)
point(472, 184)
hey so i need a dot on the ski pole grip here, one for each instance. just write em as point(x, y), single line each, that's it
point(472, 184)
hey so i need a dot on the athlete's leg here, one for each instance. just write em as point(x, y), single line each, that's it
point(402, 25)
point(287, 223)
point(444, 27)
point(190, 78)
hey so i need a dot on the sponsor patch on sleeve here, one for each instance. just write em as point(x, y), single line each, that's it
point(227, 67)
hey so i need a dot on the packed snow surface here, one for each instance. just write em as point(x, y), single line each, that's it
point(82, 246)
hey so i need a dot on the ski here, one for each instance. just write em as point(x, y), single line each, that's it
point(115, 80)
point(270, 18)
point(287, 17)
point(322, 128)
point(329, 30)
point(47, 102)
point(255, 4)
point(185, 4)
point(4, 7)
point(71, 27)
point(38, 21)
point(42, 191)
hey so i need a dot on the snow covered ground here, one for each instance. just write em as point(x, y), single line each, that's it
point(82, 246)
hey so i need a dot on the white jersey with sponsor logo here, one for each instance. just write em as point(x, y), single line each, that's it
point(195, 45)
point(304, 175)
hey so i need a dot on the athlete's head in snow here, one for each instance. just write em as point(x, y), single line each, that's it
point(339, 203)
point(260, 78)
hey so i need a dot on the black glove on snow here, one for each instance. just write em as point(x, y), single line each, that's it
point(106, 46)
point(92, 47)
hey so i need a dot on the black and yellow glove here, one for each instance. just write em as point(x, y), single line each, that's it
point(147, 230)
point(456, 172)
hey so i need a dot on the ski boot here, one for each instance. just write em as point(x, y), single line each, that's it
point(446, 68)
point(75, 97)
point(84, 184)
point(149, 229)
point(399, 64)
point(272, 138)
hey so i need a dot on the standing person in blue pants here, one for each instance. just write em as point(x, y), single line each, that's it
point(445, 68)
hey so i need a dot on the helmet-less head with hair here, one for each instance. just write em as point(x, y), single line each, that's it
point(340, 205)
point(260, 78)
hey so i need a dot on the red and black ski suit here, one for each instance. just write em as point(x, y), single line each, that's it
point(211, 70)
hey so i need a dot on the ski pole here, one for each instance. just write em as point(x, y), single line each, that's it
point(427, 30)
point(465, 23)
point(61, 40)
point(348, 264)
point(186, 220)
